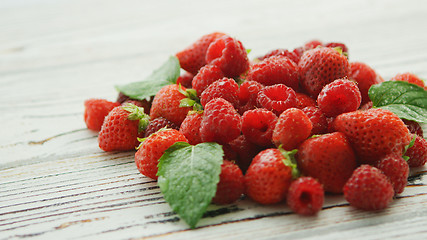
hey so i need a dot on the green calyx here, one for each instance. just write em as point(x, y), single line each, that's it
point(411, 144)
point(137, 113)
point(290, 161)
point(191, 99)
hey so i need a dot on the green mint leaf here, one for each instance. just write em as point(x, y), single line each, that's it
point(406, 100)
point(188, 177)
point(165, 75)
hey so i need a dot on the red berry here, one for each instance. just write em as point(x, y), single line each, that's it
point(206, 76)
point(225, 88)
point(368, 189)
point(312, 44)
point(282, 52)
point(268, 178)
point(157, 124)
point(229, 55)
point(275, 70)
point(231, 184)
point(95, 112)
point(418, 153)
point(410, 78)
point(339, 96)
point(221, 123)
point(166, 104)
point(373, 133)
point(343, 47)
point(248, 93)
point(258, 125)
point(320, 66)
point(305, 196)
point(292, 128)
point(303, 100)
point(245, 150)
point(414, 127)
point(365, 77)
point(153, 147)
point(121, 128)
point(318, 120)
point(396, 169)
point(193, 57)
point(190, 127)
point(277, 98)
point(185, 80)
point(328, 158)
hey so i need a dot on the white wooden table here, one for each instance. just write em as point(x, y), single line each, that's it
point(55, 183)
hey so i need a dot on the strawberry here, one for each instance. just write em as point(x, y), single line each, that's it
point(373, 133)
point(396, 169)
point(410, 78)
point(157, 124)
point(292, 128)
point(231, 184)
point(343, 47)
point(277, 98)
point(145, 104)
point(338, 97)
point(193, 57)
point(166, 104)
point(365, 77)
point(268, 178)
point(320, 66)
point(122, 127)
point(153, 147)
point(95, 112)
point(221, 123)
point(417, 153)
point(368, 189)
point(258, 125)
point(229, 55)
point(225, 88)
point(190, 127)
point(305, 196)
point(328, 158)
point(275, 70)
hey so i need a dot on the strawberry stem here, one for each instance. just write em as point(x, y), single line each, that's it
point(290, 161)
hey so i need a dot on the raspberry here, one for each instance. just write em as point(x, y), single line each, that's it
point(231, 184)
point(153, 147)
point(368, 189)
point(157, 124)
point(277, 98)
point(229, 55)
point(221, 123)
point(281, 52)
point(258, 125)
point(303, 100)
point(396, 169)
point(193, 57)
point(365, 77)
point(268, 178)
point(418, 153)
point(291, 129)
point(245, 150)
point(95, 112)
point(248, 93)
point(414, 127)
point(275, 70)
point(410, 78)
point(339, 96)
point(318, 120)
point(190, 127)
point(185, 80)
point(206, 76)
point(312, 44)
point(305, 196)
point(225, 88)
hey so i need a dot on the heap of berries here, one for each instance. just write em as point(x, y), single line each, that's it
point(293, 124)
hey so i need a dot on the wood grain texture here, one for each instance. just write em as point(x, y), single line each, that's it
point(55, 183)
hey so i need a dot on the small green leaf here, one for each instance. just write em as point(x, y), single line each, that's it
point(186, 102)
point(248, 51)
point(137, 113)
point(290, 161)
point(165, 75)
point(188, 177)
point(406, 100)
point(411, 144)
